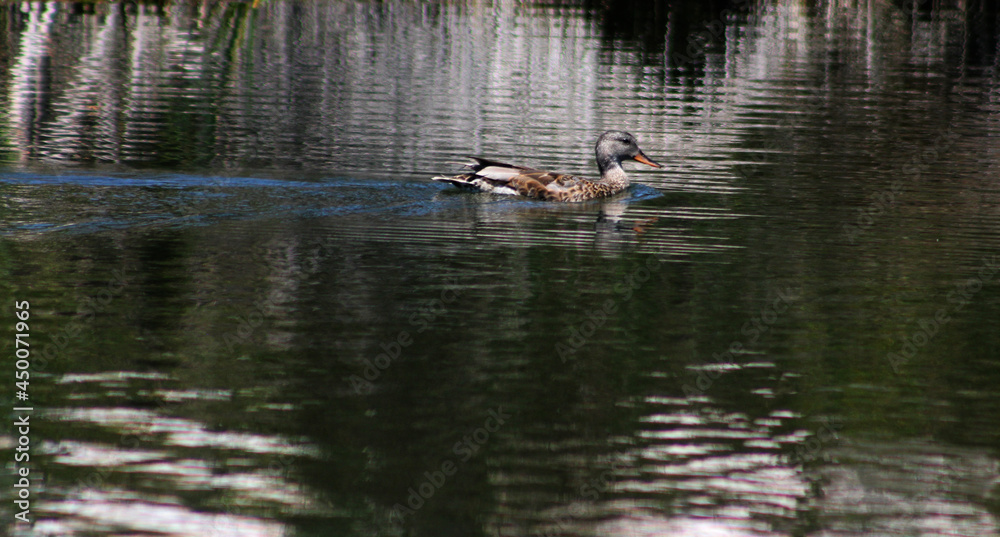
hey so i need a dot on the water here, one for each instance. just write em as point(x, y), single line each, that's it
point(251, 312)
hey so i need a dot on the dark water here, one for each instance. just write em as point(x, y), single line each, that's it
point(251, 313)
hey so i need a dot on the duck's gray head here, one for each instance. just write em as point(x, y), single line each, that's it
point(615, 146)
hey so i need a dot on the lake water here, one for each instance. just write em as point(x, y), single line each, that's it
point(252, 313)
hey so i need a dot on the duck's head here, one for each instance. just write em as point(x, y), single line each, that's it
point(615, 146)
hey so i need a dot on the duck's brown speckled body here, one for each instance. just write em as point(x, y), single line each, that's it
point(500, 178)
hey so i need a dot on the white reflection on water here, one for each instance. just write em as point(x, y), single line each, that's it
point(113, 510)
point(650, 526)
point(75, 453)
point(716, 465)
point(910, 487)
point(179, 431)
point(94, 502)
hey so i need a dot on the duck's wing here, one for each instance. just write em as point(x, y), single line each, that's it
point(503, 172)
point(502, 178)
point(525, 181)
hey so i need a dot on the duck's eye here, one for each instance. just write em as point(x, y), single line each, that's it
point(624, 140)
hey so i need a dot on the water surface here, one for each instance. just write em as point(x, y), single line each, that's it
point(253, 314)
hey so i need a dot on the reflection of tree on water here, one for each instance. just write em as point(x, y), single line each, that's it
point(280, 84)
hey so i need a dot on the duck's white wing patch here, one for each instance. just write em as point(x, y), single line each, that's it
point(492, 188)
point(498, 173)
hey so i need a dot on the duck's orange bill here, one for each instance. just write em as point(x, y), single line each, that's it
point(645, 160)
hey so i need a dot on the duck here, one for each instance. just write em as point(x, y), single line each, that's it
point(612, 148)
